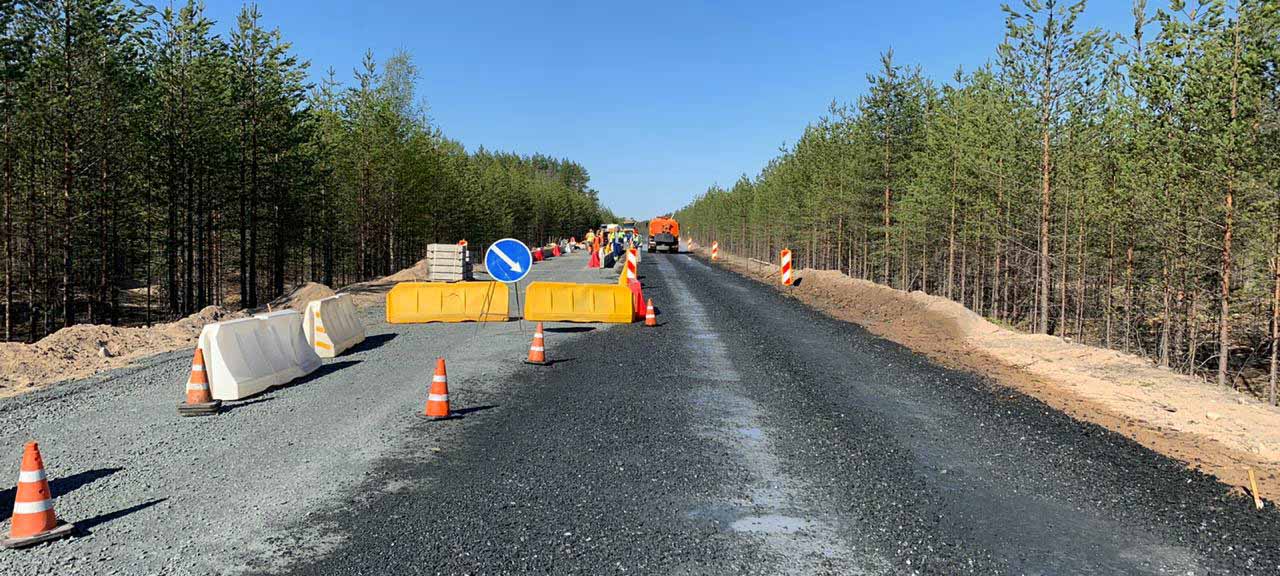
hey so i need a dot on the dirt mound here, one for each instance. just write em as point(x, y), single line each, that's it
point(298, 298)
point(85, 349)
point(1215, 429)
point(374, 291)
point(416, 273)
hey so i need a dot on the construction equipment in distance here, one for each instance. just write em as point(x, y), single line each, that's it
point(664, 232)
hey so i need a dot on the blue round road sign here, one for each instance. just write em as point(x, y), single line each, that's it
point(508, 260)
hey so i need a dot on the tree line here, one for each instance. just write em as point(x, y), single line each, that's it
point(1117, 188)
point(147, 158)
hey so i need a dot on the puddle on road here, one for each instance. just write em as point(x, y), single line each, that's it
point(769, 511)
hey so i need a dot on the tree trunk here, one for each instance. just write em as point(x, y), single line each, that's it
point(8, 222)
point(1228, 207)
point(951, 233)
point(1128, 295)
point(1275, 324)
point(68, 177)
point(1111, 283)
point(1046, 106)
point(888, 197)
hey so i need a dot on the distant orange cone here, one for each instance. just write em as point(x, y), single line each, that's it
point(200, 401)
point(538, 349)
point(650, 318)
point(438, 398)
point(33, 518)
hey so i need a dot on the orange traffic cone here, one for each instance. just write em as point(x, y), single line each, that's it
point(200, 401)
point(33, 518)
point(438, 398)
point(537, 350)
point(650, 318)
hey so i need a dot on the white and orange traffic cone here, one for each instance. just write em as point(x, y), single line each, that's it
point(650, 318)
point(33, 518)
point(538, 348)
point(438, 397)
point(199, 401)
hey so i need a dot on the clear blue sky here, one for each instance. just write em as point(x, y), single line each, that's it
point(657, 99)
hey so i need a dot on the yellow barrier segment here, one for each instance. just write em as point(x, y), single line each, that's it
point(416, 302)
point(568, 302)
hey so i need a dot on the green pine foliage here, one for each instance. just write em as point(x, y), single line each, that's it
point(1116, 189)
point(152, 167)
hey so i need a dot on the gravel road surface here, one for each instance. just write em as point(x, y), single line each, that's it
point(154, 493)
point(747, 434)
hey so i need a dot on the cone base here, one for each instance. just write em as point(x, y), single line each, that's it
point(543, 363)
point(439, 418)
point(59, 531)
point(204, 409)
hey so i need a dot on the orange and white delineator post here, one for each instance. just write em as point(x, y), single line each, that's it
point(633, 260)
point(537, 349)
point(199, 400)
point(786, 267)
point(715, 250)
point(33, 518)
point(650, 318)
point(438, 396)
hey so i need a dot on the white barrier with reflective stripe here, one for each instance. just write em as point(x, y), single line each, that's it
point(246, 356)
point(331, 325)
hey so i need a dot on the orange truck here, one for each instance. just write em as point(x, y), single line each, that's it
point(664, 232)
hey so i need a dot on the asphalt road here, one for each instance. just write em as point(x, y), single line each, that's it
point(750, 435)
point(747, 434)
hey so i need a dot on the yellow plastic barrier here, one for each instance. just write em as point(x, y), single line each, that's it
point(416, 302)
point(568, 302)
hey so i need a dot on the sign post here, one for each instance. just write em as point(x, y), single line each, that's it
point(508, 261)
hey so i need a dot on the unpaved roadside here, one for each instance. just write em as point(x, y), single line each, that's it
point(1218, 431)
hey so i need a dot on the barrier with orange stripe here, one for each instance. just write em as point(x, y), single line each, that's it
point(331, 325)
point(785, 256)
point(633, 261)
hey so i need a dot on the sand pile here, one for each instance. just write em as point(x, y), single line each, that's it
point(85, 349)
point(373, 292)
point(298, 298)
point(416, 273)
point(1209, 427)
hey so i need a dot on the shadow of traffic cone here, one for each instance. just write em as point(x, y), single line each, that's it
point(33, 518)
point(650, 318)
point(438, 397)
point(537, 349)
point(199, 401)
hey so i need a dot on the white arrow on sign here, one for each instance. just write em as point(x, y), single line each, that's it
point(515, 266)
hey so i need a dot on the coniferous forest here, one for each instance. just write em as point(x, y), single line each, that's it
point(152, 167)
point(1118, 188)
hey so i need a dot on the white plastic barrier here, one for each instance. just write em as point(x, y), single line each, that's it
point(249, 355)
point(331, 325)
